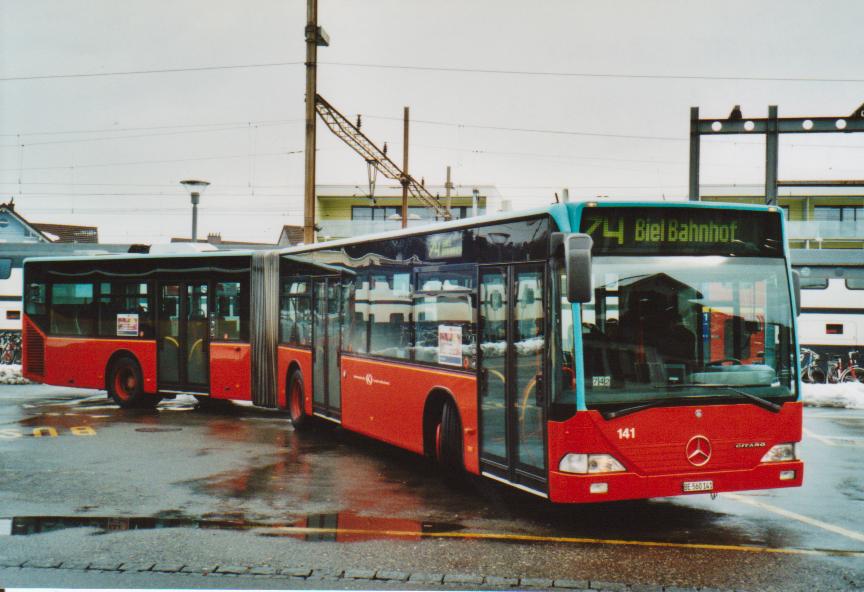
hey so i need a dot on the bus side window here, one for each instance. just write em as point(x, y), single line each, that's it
point(123, 310)
point(295, 323)
point(72, 310)
point(389, 312)
point(444, 305)
point(231, 312)
point(36, 304)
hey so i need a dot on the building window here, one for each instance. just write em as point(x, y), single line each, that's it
point(414, 212)
point(838, 213)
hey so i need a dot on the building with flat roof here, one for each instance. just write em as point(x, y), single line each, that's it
point(818, 217)
point(344, 211)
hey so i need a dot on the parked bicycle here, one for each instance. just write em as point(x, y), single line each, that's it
point(810, 370)
point(845, 371)
point(10, 348)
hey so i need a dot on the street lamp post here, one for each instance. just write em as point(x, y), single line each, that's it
point(196, 188)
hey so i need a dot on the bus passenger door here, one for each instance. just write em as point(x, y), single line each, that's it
point(168, 336)
point(197, 342)
point(512, 388)
point(182, 336)
point(326, 333)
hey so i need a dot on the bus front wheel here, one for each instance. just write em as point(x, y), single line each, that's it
point(448, 438)
point(126, 385)
point(296, 401)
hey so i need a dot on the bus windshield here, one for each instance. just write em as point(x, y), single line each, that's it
point(684, 328)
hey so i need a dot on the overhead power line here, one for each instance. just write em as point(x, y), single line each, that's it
point(592, 74)
point(147, 72)
point(461, 70)
point(263, 122)
point(112, 164)
point(150, 135)
point(537, 130)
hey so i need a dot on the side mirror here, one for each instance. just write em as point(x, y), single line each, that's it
point(796, 286)
point(577, 260)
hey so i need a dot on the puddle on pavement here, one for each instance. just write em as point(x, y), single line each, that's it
point(341, 527)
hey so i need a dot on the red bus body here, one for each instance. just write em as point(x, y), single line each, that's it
point(665, 450)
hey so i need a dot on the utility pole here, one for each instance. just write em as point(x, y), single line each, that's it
point(405, 175)
point(315, 37)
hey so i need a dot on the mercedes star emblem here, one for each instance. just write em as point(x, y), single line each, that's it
point(698, 451)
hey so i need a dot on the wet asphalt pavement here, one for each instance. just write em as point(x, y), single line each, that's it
point(92, 496)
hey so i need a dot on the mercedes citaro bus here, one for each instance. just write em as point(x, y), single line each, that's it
point(582, 352)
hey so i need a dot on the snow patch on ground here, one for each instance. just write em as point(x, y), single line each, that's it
point(11, 374)
point(849, 395)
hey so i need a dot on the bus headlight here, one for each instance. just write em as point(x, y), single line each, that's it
point(781, 453)
point(590, 464)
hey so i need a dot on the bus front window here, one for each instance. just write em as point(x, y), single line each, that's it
point(680, 328)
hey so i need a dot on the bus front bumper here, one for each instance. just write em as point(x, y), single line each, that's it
point(571, 488)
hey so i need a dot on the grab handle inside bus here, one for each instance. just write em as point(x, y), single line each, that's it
point(577, 258)
point(796, 285)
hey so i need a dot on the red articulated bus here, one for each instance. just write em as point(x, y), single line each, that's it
point(582, 352)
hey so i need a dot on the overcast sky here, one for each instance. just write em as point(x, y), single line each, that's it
point(606, 88)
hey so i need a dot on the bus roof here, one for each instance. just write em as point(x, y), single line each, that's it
point(425, 229)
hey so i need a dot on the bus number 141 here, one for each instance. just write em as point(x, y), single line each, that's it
point(626, 433)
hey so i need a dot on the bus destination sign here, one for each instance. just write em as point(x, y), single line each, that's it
point(681, 231)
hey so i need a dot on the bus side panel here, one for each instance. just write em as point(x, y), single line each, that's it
point(303, 359)
point(82, 362)
point(230, 371)
point(385, 400)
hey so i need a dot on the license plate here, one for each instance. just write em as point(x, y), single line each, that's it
point(698, 486)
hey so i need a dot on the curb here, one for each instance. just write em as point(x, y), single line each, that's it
point(469, 581)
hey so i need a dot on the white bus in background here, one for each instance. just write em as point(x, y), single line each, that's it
point(832, 302)
point(10, 292)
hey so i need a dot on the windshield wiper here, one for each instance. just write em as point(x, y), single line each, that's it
point(758, 401)
point(640, 407)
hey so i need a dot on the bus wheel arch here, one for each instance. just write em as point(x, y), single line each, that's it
point(295, 397)
point(442, 430)
point(124, 381)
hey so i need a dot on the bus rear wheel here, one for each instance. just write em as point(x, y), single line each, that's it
point(126, 385)
point(296, 401)
point(448, 438)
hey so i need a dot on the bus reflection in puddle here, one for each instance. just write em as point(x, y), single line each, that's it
point(343, 527)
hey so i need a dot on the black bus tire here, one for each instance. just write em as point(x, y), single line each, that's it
point(126, 385)
point(296, 401)
point(448, 438)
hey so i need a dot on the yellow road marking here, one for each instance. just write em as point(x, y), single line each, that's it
point(851, 534)
point(294, 530)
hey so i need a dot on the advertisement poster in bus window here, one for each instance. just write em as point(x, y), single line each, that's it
point(127, 325)
point(450, 345)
